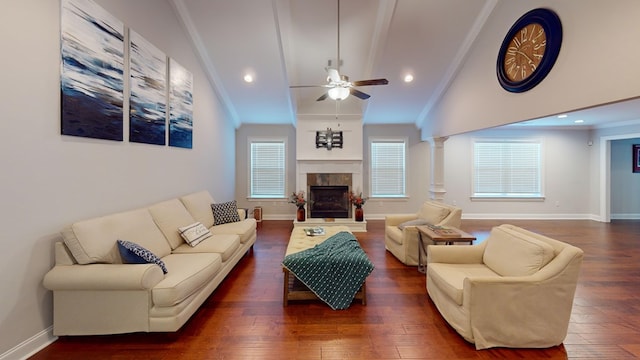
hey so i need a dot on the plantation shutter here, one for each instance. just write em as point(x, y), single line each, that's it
point(507, 169)
point(388, 168)
point(267, 169)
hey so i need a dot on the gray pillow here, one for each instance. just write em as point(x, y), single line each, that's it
point(416, 222)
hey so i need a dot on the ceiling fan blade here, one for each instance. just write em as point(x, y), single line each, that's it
point(324, 96)
point(307, 86)
point(371, 82)
point(334, 75)
point(359, 94)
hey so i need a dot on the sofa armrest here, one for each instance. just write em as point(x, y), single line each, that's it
point(397, 219)
point(103, 277)
point(455, 254)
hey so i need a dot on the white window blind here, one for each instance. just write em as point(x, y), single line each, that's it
point(267, 169)
point(507, 168)
point(388, 168)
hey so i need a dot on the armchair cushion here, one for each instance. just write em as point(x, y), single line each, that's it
point(416, 222)
point(512, 253)
point(433, 212)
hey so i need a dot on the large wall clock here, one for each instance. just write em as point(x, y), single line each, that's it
point(529, 50)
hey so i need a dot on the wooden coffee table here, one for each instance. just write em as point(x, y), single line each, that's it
point(444, 235)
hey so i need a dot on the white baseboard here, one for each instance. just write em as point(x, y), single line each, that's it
point(527, 216)
point(625, 216)
point(30, 346)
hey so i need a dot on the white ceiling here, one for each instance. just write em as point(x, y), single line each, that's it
point(289, 42)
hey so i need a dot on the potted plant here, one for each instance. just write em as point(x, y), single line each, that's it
point(357, 201)
point(299, 200)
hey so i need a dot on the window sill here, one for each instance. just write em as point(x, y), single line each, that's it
point(509, 198)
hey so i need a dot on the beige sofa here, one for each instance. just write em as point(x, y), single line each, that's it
point(94, 292)
point(515, 289)
point(401, 236)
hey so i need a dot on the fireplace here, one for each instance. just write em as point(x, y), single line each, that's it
point(328, 201)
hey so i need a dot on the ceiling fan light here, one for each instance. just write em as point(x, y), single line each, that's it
point(338, 93)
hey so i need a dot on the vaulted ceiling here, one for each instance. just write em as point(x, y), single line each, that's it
point(291, 42)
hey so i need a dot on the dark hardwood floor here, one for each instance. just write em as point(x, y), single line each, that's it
point(244, 318)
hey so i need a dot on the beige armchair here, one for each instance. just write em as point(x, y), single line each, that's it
point(515, 289)
point(401, 236)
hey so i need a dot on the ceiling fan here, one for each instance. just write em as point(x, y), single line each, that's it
point(339, 85)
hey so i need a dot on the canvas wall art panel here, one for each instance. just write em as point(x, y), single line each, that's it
point(92, 77)
point(148, 99)
point(180, 106)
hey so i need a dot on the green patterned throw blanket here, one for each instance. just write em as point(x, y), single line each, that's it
point(334, 270)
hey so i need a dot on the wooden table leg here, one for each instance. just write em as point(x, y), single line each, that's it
point(285, 298)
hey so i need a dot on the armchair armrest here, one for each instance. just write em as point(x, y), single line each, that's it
point(518, 311)
point(397, 219)
point(471, 254)
point(103, 277)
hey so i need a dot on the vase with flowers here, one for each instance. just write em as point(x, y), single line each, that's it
point(357, 201)
point(299, 201)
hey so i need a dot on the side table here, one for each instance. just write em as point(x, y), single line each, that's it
point(439, 235)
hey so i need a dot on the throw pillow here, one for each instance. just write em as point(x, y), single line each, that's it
point(225, 212)
point(416, 222)
point(194, 233)
point(133, 253)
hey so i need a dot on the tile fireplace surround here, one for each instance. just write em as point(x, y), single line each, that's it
point(334, 172)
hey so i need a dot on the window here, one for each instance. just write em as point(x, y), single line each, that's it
point(388, 168)
point(267, 169)
point(507, 169)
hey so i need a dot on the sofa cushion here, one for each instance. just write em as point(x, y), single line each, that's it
point(246, 229)
point(95, 240)
point(511, 253)
point(133, 253)
point(189, 273)
point(194, 233)
point(449, 278)
point(224, 213)
point(225, 245)
point(169, 216)
point(199, 206)
point(432, 212)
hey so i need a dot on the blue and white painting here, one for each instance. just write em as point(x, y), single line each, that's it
point(181, 106)
point(148, 100)
point(91, 80)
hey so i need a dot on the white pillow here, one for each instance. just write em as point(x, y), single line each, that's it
point(194, 234)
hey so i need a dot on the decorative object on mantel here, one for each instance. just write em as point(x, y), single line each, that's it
point(636, 158)
point(299, 201)
point(357, 201)
point(328, 139)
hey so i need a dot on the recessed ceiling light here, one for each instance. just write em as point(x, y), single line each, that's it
point(578, 121)
point(562, 116)
point(248, 78)
point(408, 78)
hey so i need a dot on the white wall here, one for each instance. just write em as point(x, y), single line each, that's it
point(566, 163)
point(587, 72)
point(49, 181)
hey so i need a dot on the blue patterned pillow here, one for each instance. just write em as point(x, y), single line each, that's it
point(225, 212)
point(133, 253)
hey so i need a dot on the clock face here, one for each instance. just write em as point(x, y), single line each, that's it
point(529, 50)
point(525, 52)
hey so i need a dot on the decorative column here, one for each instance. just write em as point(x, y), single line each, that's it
point(436, 188)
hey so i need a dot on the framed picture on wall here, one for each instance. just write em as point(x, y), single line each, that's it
point(636, 158)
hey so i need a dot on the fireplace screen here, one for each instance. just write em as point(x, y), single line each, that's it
point(329, 202)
